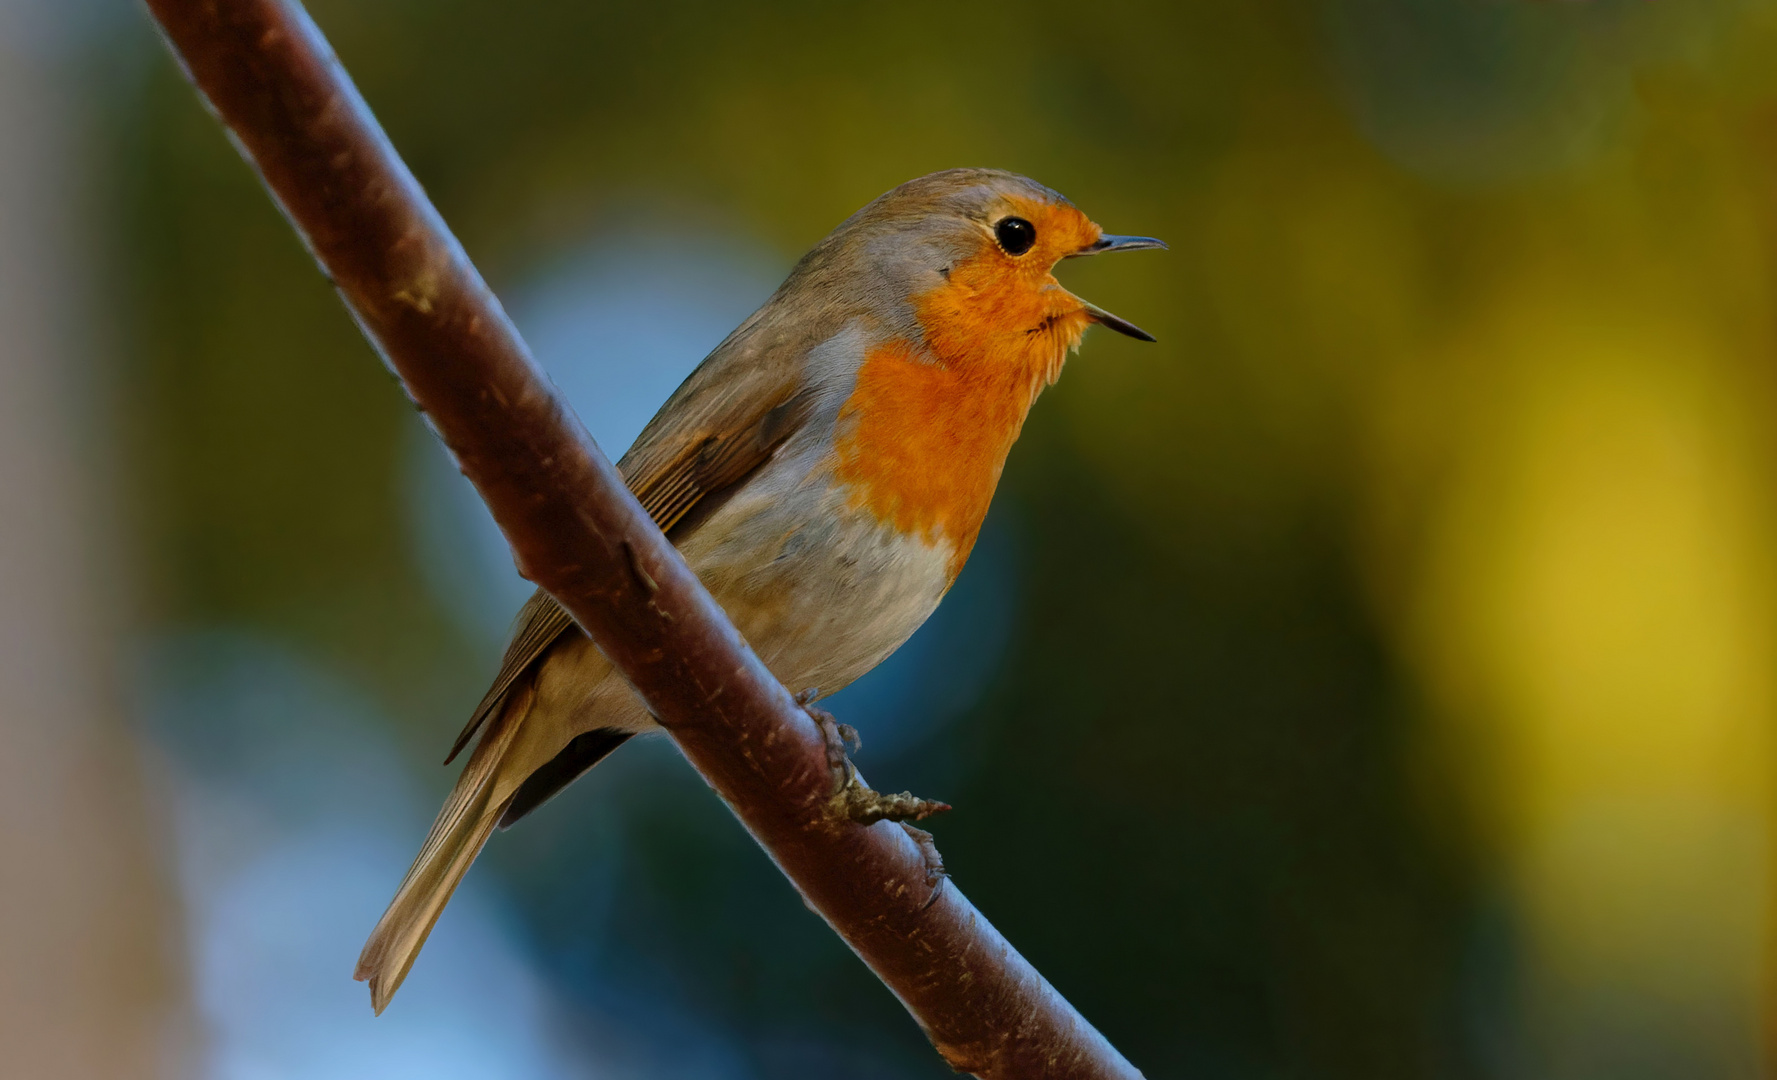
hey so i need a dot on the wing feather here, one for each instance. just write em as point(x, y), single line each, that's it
point(722, 423)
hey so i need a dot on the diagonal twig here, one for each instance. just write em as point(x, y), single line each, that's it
point(269, 76)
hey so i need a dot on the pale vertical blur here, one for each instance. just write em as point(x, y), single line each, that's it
point(88, 950)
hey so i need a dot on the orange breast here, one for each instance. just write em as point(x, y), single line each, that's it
point(924, 436)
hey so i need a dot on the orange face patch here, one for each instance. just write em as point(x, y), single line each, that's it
point(925, 434)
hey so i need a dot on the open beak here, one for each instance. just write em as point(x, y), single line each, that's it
point(1111, 242)
point(1122, 326)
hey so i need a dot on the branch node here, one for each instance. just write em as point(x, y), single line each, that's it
point(649, 585)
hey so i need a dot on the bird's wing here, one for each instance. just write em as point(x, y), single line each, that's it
point(538, 624)
point(723, 422)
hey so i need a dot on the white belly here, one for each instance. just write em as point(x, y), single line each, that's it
point(822, 597)
point(823, 594)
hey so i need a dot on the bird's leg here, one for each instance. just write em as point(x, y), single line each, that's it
point(853, 799)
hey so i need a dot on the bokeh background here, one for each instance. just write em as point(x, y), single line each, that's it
point(1372, 680)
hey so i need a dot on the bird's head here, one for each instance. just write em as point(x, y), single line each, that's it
point(969, 255)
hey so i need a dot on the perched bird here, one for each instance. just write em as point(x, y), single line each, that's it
point(825, 472)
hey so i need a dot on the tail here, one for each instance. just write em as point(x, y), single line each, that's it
point(463, 826)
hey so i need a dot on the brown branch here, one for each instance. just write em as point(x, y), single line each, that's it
point(575, 529)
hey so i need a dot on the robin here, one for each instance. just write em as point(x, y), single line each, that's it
point(825, 472)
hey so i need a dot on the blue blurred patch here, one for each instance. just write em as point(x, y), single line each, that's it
point(618, 327)
point(293, 824)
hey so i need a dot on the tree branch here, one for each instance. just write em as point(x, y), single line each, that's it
point(574, 528)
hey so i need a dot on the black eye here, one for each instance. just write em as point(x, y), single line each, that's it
point(1015, 235)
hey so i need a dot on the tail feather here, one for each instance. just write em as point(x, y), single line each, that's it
point(463, 826)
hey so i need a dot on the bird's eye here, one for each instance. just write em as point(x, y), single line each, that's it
point(1015, 235)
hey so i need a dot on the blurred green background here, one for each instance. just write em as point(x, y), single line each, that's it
point(1373, 679)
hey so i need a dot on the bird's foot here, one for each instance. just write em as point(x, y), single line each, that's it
point(853, 799)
